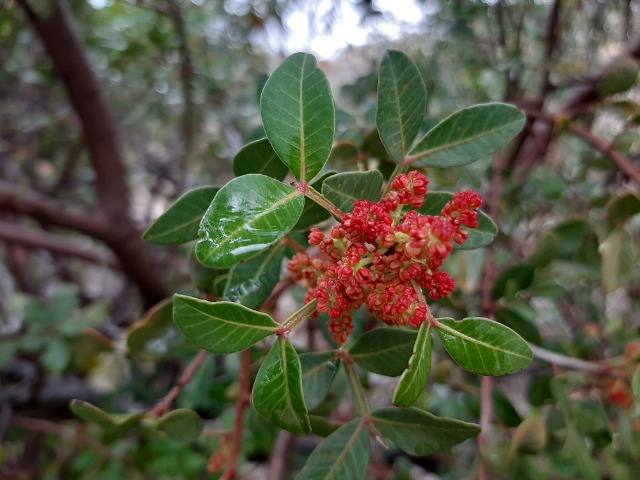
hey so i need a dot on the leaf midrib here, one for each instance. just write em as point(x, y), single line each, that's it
point(469, 339)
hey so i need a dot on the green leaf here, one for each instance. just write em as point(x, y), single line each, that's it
point(181, 425)
point(343, 455)
point(250, 283)
point(313, 213)
point(622, 208)
point(56, 355)
point(298, 115)
point(479, 237)
point(513, 280)
point(318, 371)
point(153, 325)
point(619, 253)
point(484, 347)
point(414, 379)
point(420, 433)
point(521, 318)
point(259, 157)
point(179, 224)
point(402, 101)
point(468, 135)
point(277, 391)
point(221, 327)
point(344, 189)
point(385, 351)
point(619, 77)
point(344, 156)
point(90, 316)
point(92, 414)
point(559, 242)
point(530, 436)
point(249, 214)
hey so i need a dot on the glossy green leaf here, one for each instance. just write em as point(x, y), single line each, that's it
point(479, 237)
point(92, 414)
point(484, 347)
point(318, 371)
point(179, 224)
point(312, 213)
point(385, 351)
point(343, 455)
point(420, 433)
point(402, 102)
point(468, 135)
point(277, 391)
point(153, 325)
point(250, 283)
point(259, 157)
point(298, 115)
point(181, 425)
point(414, 379)
point(344, 189)
point(220, 327)
point(249, 214)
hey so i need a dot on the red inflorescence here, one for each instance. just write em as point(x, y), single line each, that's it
point(382, 257)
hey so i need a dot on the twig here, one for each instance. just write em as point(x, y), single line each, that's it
point(280, 455)
point(238, 425)
point(163, 405)
point(560, 360)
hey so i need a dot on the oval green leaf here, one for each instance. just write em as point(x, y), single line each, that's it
point(248, 215)
point(420, 433)
point(344, 189)
point(402, 102)
point(414, 379)
point(250, 283)
point(221, 327)
point(479, 237)
point(179, 224)
point(385, 351)
point(181, 425)
point(259, 157)
point(114, 423)
point(468, 135)
point(298, 115)
point(318, 371)
point(343, 455)
point(153, 325)
point(277, 391)
point(484, 347)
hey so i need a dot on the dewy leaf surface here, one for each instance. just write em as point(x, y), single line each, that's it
point(385, 351)
point(402, 101)
point(468, 135)
point(248, 215)
point(343, 455)
point(344, 189)
point(420, 433)
point(220, 327)
point(414, 379)
point(259, 157)
point(277, 391)
point(484, 347)
point(251, 282)
point(179, 224)
point(298, 115)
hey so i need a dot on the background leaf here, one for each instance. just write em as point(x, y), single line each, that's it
point(249, 214)
point(468, 135)
point(318, 371)
point(298, 115)
point(277, 391)
point(179, 224)
point(221, 327)
point(483, 346)
point(344, 189)
point(114, 423)
point(153, 325)
point(385, 351)
point(402, 102)
point(181, 425)
point(414, 379)
point(343, 455)
point(259, 157)
point(250, 283)
point(420, 433)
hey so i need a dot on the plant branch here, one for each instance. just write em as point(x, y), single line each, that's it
point(573, 363)
point(13, 233)
point(163, 405)
point(320, 199)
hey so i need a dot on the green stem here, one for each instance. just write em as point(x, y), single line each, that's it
point(294, 320)
point(321, 200)
point(400, 168)
point(359, 396)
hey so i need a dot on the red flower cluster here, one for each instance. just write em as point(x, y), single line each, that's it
point(382, 257)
